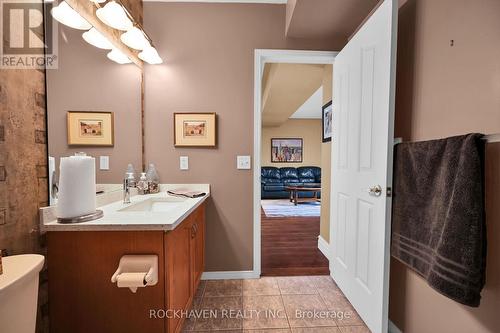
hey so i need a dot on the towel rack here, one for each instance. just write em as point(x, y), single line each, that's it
point(492, 137)
point(489, 138)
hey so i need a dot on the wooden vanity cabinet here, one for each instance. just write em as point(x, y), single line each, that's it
point(185, 263)
point(198, 246)
point(82, 298)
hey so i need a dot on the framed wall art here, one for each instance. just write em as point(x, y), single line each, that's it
point(285, 150)
point(89, 128)
point(326, 121)
point(195, 129)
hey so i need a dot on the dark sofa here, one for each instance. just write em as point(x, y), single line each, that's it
point(274, 180)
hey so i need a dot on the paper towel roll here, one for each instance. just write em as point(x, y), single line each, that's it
point(76, 186)
point(131, 280)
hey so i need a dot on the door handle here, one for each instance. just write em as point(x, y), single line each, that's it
point(375, 191)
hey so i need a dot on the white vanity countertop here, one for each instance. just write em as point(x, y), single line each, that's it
point(118, 218)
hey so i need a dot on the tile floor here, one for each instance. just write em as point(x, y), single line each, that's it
point(298, 304)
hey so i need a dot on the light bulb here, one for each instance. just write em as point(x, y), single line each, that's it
point(115, 16)
point(135, 39)
point(150, 55)
point(119, 57)
point(95, 38)
point(70, 17)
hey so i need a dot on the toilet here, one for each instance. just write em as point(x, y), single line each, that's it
point(19, 293)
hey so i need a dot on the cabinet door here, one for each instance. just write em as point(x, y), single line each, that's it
point(82, 298)
point(198, 244)
point(179, 277)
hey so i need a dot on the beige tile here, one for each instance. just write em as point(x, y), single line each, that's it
point(296, 285)
point(264, 312)
point(345, 313)
point(323, 282)
point(189, 323)
point(315, 330)
point(226, 316)
point(201, 289)
point(217, 288)
point(333, 297)
point(262, 286)
point(307, 311)
point(272, 330)
point(355, 329)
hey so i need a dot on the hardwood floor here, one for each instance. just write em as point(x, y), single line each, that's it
point(290, 247)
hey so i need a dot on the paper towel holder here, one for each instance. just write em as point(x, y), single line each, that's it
point(136, 263)
point(82, 218)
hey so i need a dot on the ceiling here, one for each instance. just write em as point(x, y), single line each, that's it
point(312, 107)
point(326, 18)
point(286, 88)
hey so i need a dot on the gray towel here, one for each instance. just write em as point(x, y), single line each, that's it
point(438, 216)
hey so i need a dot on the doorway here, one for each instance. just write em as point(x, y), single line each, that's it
point(363, 136)
point(263, 57)
point(295, 168)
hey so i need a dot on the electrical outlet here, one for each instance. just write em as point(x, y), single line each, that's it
point(184, 162)
point(104, 162)
point(243, 162)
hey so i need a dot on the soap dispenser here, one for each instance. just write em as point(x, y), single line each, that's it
point(153, 179)
point(142, 185)
point(130, 170)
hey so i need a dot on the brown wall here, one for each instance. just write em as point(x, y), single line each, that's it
point(307, 129)
point(444, 91)
point(326, 161)
point(209, 56)
point(87, 80)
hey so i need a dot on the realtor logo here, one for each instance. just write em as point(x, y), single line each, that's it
point(22, 29)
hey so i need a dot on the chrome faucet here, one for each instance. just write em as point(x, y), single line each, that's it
point(128, 183)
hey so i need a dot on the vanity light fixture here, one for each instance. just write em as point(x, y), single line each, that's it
point(70, 17)
point(150, 55)
point(135, 38)
point(95, 38)
point(114, 15)
point(119, 57)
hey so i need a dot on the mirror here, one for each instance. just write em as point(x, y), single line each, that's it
point(93, 106)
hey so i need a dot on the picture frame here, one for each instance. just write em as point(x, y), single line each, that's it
point(195, 129)
point(287, 150)
point(326, 122)
point(91, 128)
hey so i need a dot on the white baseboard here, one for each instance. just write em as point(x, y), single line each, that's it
point(393, 328)
point(324, 247)
point(229, 275)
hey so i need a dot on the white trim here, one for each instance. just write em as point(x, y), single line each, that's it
point(261, 58)
point(393, 328)
point(324, 247)
point(278, 2)
point(229, 275)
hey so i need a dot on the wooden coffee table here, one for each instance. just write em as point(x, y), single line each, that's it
point(294, 194)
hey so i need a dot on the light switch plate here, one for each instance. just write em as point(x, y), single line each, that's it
point(184, 162)
point(104, 162)
point(243, 162)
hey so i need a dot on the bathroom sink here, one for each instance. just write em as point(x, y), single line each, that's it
point(155, 205)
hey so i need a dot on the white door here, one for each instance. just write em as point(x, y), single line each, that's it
point(364, 88)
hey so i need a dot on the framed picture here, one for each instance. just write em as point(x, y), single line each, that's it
point(88, 128)
point(195, 129)
point(326, 121)
point(286, 150)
